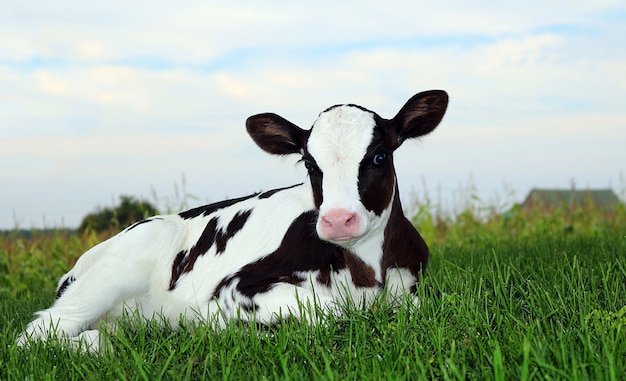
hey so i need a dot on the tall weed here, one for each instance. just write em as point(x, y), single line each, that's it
point(37, 262)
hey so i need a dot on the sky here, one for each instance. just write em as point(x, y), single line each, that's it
point(149, 98)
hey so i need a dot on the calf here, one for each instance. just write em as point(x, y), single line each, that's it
point(342, 235)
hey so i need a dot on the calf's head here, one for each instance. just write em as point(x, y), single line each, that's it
point(348, 154)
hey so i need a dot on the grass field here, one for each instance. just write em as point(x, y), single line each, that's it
point(516, 296)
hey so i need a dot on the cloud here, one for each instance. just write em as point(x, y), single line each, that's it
point(116, 97)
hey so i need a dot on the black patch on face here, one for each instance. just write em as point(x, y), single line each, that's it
point(186, 259)
point(376, 176)
point(300, 251)
point(69, 280)
point(211, 208)
point(315, 176)
point(270, 193)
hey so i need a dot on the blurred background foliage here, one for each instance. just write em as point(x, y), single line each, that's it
point(116, 218)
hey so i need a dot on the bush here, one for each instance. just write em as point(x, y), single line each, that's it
point(112, 219)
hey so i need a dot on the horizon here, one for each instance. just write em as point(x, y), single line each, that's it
point(470, 202)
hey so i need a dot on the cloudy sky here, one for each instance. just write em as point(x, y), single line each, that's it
point(149, 98)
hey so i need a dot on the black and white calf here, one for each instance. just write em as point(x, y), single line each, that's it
point(259, 258)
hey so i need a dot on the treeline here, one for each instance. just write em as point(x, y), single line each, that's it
point(103, 220)
point(127, 212)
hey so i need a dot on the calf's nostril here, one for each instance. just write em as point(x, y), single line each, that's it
point(350, 219)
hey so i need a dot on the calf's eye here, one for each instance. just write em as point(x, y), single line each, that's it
point(309, 166)
point(379, 159)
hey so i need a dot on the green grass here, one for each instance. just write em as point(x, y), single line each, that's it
point(522, 297)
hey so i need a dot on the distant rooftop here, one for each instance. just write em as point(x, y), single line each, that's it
point(602, 199)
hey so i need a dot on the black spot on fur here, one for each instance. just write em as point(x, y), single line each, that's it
point(403, 247)
point(270, 193)
point(142, 222)
point(348, 105)
point(211, 208)
point(236, 224)
point(177, 268)
point(69, 280)
point(186, 259)
point(249, 307)
point(220, 287)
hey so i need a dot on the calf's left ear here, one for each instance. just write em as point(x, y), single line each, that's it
point(275, 134)
point(420, 115)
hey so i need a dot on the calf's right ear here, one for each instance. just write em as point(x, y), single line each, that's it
point(276, 135)
point(420, 115)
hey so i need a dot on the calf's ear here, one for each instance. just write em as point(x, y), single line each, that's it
point(275, 134)
point(420, 115)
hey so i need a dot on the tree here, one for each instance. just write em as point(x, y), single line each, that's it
point(127, 212)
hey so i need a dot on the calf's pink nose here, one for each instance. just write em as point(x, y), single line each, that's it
point(339, 225)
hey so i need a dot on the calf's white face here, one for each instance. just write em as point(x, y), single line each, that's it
point(348, 154)
point(337, 144)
